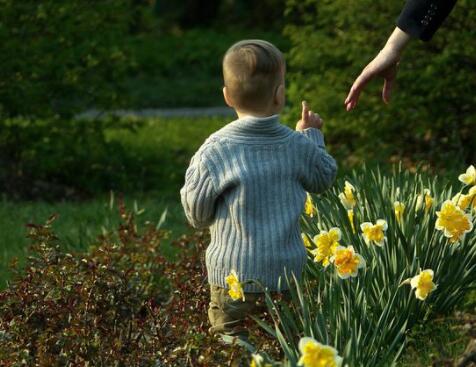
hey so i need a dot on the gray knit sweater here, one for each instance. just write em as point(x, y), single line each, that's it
point(248, 183)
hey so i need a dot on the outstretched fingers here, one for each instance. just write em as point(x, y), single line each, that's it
point(389, 82)
point(387, 89)
point(359, 84)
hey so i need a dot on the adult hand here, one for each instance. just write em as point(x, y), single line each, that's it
point(383, 65)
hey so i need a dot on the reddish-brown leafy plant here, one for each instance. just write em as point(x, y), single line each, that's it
point(120, 304)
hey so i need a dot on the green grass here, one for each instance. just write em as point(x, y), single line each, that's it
point(442, 339)
point(433, 343)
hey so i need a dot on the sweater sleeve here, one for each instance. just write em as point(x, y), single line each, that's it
point(422, 18)
point(321, 168)
point(198, 195)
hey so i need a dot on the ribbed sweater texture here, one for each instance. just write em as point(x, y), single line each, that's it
point(248, 183)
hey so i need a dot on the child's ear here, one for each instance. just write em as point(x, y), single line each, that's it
point(280, 95)
point(227, 97)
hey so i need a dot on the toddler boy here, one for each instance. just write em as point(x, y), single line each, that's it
point(248, 183)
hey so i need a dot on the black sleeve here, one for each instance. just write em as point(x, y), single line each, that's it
point(422, 18)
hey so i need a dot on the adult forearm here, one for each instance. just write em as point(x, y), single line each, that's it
point(397, 41)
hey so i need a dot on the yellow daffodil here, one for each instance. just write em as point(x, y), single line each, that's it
point(309, 207)
point(426, 197)
point(374, 232)
point(258, 361)
point(465, 201)
point(347, 197)
point(350, 215)
point(306, 241)
point(236, 290)
point(399, 210)
point(423, 283)
point(453, 221)
point(468, 178)
point(460, 200)
point(347, 262)
point(326, 243)
point(315, 354)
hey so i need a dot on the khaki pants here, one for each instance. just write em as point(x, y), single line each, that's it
point(228, 316)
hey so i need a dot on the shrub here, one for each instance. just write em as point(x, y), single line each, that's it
point(225, 14)
point(366, 318)
point(430, 115)
point(54, 158)
point(98, 307)
point(57, 158)
point(190, 75)
point(120, 304)
point(54, 60)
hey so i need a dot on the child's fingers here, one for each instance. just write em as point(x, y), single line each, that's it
point(305, 112)
point(314, 118)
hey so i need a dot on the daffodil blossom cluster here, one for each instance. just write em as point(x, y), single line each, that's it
point(425, 198)
point(257, 360)
point(328, 250)
point(399, 208)
point(466, 201)
point(468, 178)
point(306, 241)
point(326, 243)
point(347, 197)
point(236, 290)
point(349, 201)
point(374, 233)
point(422, 283)
point(347, 262)
point(421, 207)
point(315, 354)
point(453, 221)
point(309, 207)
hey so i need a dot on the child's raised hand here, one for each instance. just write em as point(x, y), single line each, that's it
point(308, 119)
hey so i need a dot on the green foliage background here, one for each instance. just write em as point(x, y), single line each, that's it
point(61, 58)
point(432, 112)
point(56, 56)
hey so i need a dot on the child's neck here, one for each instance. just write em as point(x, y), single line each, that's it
point(242, 114)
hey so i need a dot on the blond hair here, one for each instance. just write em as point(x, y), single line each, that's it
point(252, 70)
